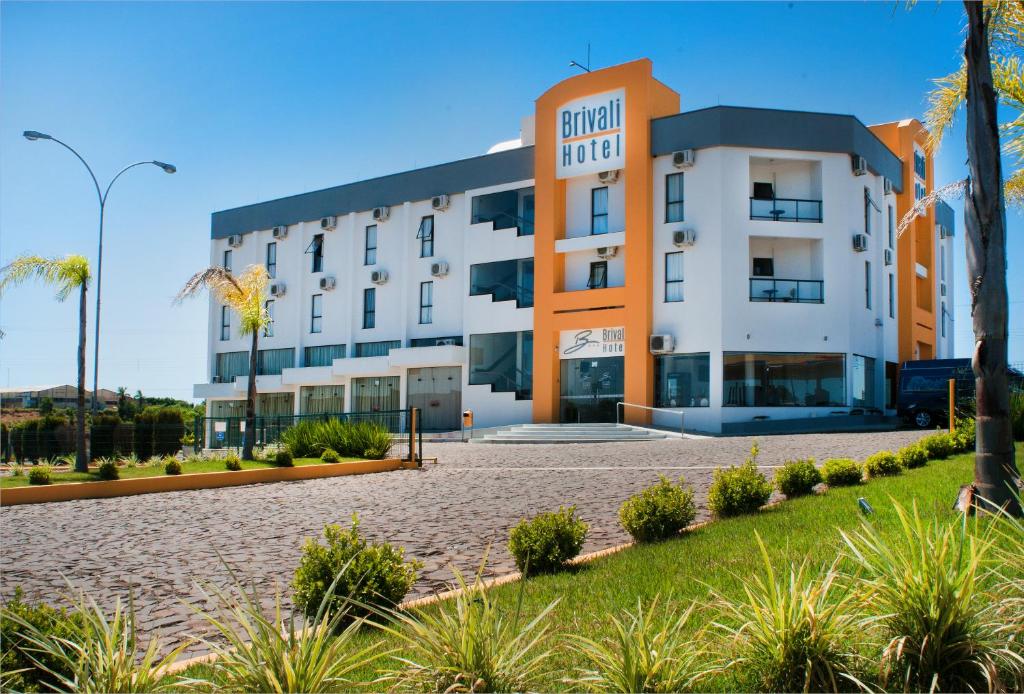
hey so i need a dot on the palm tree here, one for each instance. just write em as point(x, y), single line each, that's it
point(66, 274)
point(246, 296)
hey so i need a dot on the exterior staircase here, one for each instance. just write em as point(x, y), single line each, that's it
point(570, 433)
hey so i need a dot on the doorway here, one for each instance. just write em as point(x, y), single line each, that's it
point(590, 389)
point(437, 392)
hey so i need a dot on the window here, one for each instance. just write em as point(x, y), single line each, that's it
point(598, 275)
point(599, 210)
point(920, 164)
point(426, 302)
point(674, 276)
point(867, 284)
point(316, 313)
point(317, 249)
point(322, 399)
point(426, 237)
point(270, 362)
point(376, 349)
point(230, 365)
point(506, 209)
point(863, 381)
point(504, 280)
point(322, 355)
point(892, 296)
point(674, 197)
point(682, 380)
point(504, 361)
point(943, 305)
point(867, 210)
point(892, 226)
point(764, 267)
point(268, 331)
point(272, 259)
point(225, 323)
point(377, 394)
point(942, 263)
point(227, 260)
point(783, 380)
point(435, 341)
point(369, 308)
point(370, 254)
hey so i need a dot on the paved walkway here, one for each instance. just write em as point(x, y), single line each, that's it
point(155, 545)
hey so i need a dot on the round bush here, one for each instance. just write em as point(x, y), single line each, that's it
point(737, 490)
point(108, 470)
point(937, 446)
point(330, 456)
point(912, 456)
point(368, 575)
point(39, 474)
point(172, 466)
point(797, 477)
point(232, 462)
point(545, 542)
point(284, 459)
point(658, 512)
point(841, 472)
point(882, 464)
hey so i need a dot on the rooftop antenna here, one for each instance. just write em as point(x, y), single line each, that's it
point(586, 68)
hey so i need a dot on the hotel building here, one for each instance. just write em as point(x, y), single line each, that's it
point(737, 264)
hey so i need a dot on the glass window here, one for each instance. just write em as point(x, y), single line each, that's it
point(764, 267)
point(275, 405)
point(674, 197)
point(316, 314)
point(227, 260)
point(317, 249)
point(942, 263)
point(270, 362)
point(426, 302)
point(867, 284)
point(268, 331)
point(682, 380)
point(863, 381)
point(504, 280)
point(892, 226)
point(225, 323)
point(369, 308)
point(379, 394)
point(426, 237)
point(370, 252)
point(272, 259)
point(505, 209)
point(599, 210)
point(376, 349)
point(892, 296)
point(435, 341)
point(943, 315)
point(867, 211)
point(598, 275)
point(322, 399)
point(322, 355)
point(230, 365)
point(502, 360)
point(783, 380)
point(525, 225)
point(674, 276)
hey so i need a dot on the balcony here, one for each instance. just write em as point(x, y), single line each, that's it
point(772, 290)
point(785, 190)
point(785, 209)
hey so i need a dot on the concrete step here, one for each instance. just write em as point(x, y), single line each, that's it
point(570, 433)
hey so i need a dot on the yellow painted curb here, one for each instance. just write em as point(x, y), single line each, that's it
point(200, 480)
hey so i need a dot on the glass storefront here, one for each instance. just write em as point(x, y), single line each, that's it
point(504, 361)
point(682, 380)
point(863, 385)
point(590, 389)
point(322, 399)
point(783, 379)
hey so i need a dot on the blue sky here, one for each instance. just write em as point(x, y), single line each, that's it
point(257, 101)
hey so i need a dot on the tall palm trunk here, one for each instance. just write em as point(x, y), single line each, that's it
point(81, 456)
point(250, 401)
point(985, 237)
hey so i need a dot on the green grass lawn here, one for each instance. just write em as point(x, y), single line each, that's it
point(718, 557)
point(156, 470)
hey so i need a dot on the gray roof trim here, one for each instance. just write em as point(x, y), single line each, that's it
point(395, 189)
point(945, 216)
point(775, 129)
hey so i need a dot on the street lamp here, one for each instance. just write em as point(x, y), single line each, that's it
point(33, 135)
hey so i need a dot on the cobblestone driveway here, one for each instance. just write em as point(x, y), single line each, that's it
point(156, 544)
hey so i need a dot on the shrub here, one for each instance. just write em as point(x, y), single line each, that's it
point(232, 462)
point(108, 470)
point(797, 477)
point(330, 456)
point(937, 446)
point(39, 474)
point(369, 575)
point(882, 464)
point(739, 489)
point(912, 456)
point(159, 430)
point(284, 459)
point(172, 466)
point(17, 618)
point(658, 512)
point(310, 438)
point(964, 435)
point(841, 472)
point(545, 542)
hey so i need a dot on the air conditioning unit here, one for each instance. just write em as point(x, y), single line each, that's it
point(328, 283)
point(888, 256)
point(439, 269)
point(379, 276)
point(860, 242)
point(440, 202)
point(684, 159)
point(329, 223)
point(277, 289)
point(661, 344)
point(608, 176)
point(381, 214)
point(860, 164)
point(279, 232)
point(235, 240)
point(942, 289)
point(887, 186)
point(607, 251)
point(684, 237)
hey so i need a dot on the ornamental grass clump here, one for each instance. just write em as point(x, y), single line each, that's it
point(232, 462)
point(310, 438)
point(172, 466)
point(912, 456)
point(658, 512)
point(39, 474)
point(842, 472)
point(108, 470)
point(22, 668)
point(797, 477)
point(882, 464)
point(739, 489)
point(544, 543)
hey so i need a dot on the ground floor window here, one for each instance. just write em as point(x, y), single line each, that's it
point(275, 404)
point(682, 380)
point(322, 399)
point(376, 394)
point(783, 379)
point(862, 374)
point(504, 361)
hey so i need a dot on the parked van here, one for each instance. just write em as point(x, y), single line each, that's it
point(923, 397)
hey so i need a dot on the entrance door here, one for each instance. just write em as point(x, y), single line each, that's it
point(437, 392)
point(590, 388)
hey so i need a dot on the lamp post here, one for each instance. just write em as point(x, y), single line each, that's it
point(101, 195)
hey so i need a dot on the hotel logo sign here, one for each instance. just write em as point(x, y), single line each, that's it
point(592, 342)
point(591, 135)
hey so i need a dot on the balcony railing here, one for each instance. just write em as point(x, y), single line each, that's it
point(785, 209)
point(787, 291)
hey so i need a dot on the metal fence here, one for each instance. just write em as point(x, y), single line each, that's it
point(103, 440)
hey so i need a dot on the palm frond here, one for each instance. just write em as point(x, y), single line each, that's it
point(1014, 189)
point(245, 294)
point(943, 103)
point(949, 191)
point(66, 274)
